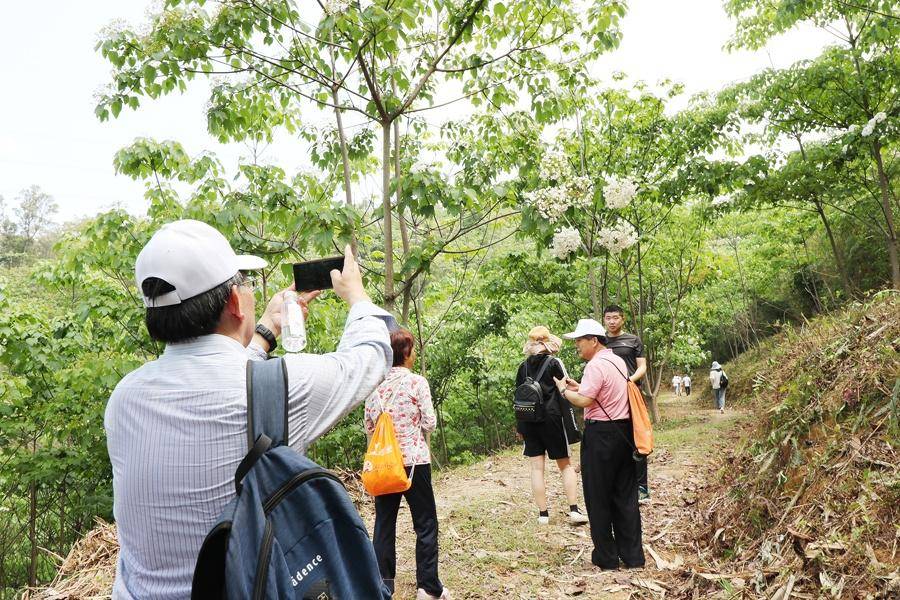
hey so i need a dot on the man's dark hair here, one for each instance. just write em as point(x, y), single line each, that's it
point(614, 308)
point(192, 318)
point(600, 338)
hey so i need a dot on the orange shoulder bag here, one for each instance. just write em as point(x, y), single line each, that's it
point(641, 426)
point(383, 471)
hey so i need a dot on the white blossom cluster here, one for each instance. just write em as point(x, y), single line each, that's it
point(872, 124)
point(721, 199)
point(335, 7)
point(550, 202)
point(111, 29)
point(618, 237)
point(565, 241)
point(619, 193)
point(555, 167)
point(579, 188)
point(565, 188)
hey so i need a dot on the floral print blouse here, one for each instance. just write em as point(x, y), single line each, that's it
point(407, 397)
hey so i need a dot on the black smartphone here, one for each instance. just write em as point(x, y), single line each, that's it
point(316, 274)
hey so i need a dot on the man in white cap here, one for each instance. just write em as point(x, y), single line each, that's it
point(177, 426)
point(607, 468)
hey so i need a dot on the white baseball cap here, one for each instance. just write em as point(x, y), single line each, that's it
point(192, 257)
point(586, 327)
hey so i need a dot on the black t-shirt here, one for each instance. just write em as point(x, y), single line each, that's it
point(628, 347)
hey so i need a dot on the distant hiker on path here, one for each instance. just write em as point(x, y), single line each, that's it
point(607, 464)
point(176, 428)
point(558, 429)
point(676, 384)
point(407, 397)
point(629, 348)
point(718, 381)
point(686, 382)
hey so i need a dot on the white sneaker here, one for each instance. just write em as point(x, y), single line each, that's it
point(543, 520)
point(576, 518)
point(423, 595)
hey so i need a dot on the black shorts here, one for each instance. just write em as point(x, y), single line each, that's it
point(547, 437)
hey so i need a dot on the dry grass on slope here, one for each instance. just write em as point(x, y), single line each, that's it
point(810, 504)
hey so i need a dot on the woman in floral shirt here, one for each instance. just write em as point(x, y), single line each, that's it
point(407, 397)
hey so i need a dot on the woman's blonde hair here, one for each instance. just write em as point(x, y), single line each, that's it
point(541, 341)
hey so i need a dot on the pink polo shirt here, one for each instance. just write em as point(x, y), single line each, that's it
point(606, 384)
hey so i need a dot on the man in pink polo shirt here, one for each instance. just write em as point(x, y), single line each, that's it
point(607, 468)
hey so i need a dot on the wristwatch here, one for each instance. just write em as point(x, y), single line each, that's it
point(267, 335)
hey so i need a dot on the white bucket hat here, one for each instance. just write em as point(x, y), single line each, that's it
point(586, 327)
point(192, 257)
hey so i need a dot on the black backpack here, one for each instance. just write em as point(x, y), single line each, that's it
point(528, 401)
point(291, 532)
point(723, 381)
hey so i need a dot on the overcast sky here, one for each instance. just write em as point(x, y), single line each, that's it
point(49, 136)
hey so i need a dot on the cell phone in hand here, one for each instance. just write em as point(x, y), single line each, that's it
point(316, 274)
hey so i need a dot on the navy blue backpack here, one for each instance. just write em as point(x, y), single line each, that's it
point(291, 532)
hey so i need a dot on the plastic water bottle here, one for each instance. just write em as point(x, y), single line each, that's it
point(293, 326)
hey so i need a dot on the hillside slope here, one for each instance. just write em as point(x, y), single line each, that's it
point(810, 500)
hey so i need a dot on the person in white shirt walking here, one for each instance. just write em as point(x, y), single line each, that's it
point(176, 427)
point(676, 384)
point(686, 384)
point(718, 381)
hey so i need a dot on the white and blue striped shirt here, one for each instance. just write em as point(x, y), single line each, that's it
point(176, 430)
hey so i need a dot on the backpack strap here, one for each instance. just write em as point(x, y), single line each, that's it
point(617, 368)
point(541, 371)
point(267, 405)
point(383, 405)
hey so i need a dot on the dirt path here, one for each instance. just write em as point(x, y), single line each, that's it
point(492, 546)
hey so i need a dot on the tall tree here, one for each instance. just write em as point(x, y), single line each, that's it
point(850, 90)
point(380, 61)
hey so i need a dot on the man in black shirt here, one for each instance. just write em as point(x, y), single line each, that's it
point(629, 348)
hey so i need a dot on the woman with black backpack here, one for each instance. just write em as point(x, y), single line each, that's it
point(718, 381)
point(548, 427)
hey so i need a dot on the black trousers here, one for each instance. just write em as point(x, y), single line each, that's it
point(420, 498)
point(610, 494)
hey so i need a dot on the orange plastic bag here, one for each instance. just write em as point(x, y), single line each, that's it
point(640, 420)
point(383, 471)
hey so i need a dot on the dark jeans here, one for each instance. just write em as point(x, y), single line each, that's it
point(420, 498)
point(720, 398)
point(610, 494)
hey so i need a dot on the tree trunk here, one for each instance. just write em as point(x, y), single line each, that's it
point(838, 255)
point(640, 312)
point(440, 420)
point(887, 209)
point(61, 543)
point(32, 531)
point(835, 249)
point(388, 216)
point(345, 156)
point(604, 296)
point(401, 219)
point(592, 278)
